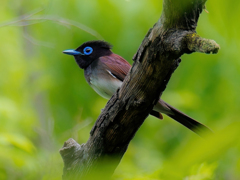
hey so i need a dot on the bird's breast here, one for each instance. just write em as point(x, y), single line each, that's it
point(101, 81)
point(104, 87)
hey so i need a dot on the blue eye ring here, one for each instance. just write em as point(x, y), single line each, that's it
point(87, 50)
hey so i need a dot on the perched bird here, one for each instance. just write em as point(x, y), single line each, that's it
point(105, 72)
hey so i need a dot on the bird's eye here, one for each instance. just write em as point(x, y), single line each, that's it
point(87, 50)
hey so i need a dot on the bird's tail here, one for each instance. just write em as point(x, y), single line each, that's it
point(178, 116)
point(187, 121)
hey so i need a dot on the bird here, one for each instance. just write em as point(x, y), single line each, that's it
point(105, 71)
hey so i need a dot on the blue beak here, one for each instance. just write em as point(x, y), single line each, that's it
point(71, 52)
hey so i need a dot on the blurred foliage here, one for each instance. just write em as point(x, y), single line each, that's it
point(44, 98)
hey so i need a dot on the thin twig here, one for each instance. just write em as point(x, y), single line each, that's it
point(37, 42)
point(21, 18)
point(24, 21)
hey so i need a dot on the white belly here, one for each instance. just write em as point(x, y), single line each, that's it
point(105, 88)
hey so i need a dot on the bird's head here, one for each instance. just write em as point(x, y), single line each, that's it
point(89, 51)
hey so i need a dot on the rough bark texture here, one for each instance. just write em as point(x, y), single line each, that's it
point(156, 59)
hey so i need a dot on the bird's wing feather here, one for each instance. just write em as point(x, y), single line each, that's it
point(117, 66)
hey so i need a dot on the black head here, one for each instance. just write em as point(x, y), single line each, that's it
point(89, 51)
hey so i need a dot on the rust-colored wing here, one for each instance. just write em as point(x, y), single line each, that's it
point(117, 66)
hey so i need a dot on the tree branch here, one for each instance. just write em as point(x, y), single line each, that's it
point(197, 44)
point(156, 59)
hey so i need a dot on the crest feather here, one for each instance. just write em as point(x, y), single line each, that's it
point(98, 43)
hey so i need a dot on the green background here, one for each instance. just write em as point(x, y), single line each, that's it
point(45, 100)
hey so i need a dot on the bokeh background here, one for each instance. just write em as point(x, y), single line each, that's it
point(45, 100)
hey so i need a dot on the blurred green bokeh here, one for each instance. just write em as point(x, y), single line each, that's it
point(44, 98)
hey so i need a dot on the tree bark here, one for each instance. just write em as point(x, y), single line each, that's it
point(156, 59)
